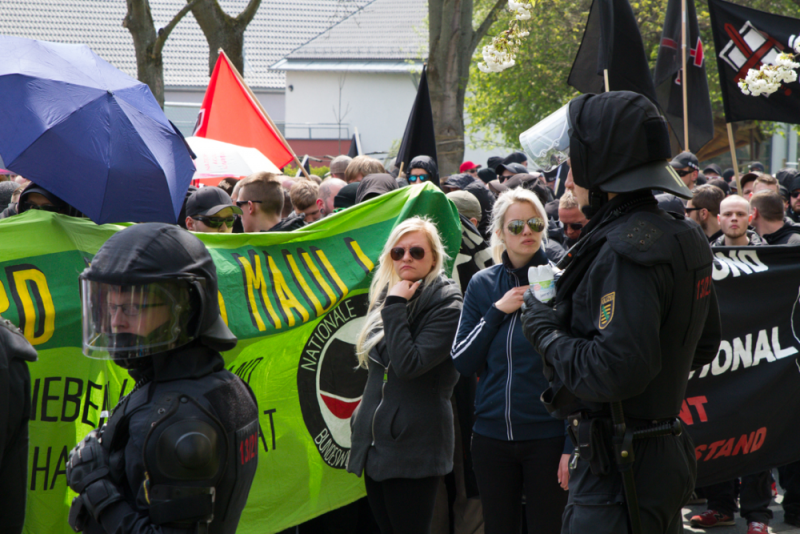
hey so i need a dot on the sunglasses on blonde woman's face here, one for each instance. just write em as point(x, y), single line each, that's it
point(398, 253)
point(516, 226)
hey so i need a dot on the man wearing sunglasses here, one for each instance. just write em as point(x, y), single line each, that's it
point(687, 167)
point(573, 219)
point(35, 197)
point(211, 210)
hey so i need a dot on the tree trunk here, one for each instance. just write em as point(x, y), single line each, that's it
point(148, 44)
point(452, 41)
point(223, 31)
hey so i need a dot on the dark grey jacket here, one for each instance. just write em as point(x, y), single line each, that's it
point(404, 425)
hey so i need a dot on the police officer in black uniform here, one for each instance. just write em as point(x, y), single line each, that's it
point(635, 312)
point(15, 410)
point(179, 452)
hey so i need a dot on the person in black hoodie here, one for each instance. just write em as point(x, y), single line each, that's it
point(402, 432)
point(176, 455)
point(517, 447)
point(423, 169)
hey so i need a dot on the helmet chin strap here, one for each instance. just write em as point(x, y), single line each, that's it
point(597, 199)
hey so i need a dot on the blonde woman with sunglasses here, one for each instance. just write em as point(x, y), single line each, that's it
point(402, 433)
point(517, 448)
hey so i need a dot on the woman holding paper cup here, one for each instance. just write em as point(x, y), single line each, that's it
point(402, 433)
point(517, 447)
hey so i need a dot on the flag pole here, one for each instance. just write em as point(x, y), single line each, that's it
point(684, 81)
point(358, 141)
point(605, 79)
point(264, 112)
point(732, 143)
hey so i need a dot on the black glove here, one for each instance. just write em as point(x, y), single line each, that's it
point(541, 324)
point(87, 474)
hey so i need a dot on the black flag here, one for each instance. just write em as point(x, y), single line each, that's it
point(745, 38)
point(612, 41)
point(668, 78)
point(419, 138)
point(354, 146)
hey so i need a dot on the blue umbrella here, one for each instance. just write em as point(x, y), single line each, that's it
point(92, 135)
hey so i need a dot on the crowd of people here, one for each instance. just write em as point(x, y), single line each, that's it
point(450, 434)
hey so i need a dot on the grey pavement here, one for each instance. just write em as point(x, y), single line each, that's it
point(776, 525)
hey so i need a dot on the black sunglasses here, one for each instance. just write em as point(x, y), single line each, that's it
point(683, 173)
point(421, 177)
point(241, 203)
point(575, 226)
point(398, 253)
point(504, 178)
point(518, 225)
point(216, 222)
point(46, 207)
point(795, 194)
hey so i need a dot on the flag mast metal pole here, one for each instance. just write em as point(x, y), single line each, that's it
point(684, 81)
point(264, 112)
point(732, 144)
point(605, 79)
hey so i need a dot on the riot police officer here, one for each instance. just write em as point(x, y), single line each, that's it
point(635, 312)
point(15, 410)
point(178, 453)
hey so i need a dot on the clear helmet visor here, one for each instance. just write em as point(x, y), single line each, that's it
point(126, 322)
point(547, 143)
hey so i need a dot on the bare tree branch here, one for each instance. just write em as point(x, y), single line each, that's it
point(249, 12)
point(163, 33)
point(489, 20)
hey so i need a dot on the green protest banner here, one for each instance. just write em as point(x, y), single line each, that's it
point(295, 301)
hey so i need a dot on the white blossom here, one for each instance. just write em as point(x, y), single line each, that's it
point(501, 53)
point(769, 77)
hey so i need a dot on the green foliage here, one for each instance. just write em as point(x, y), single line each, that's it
point(291, 170)
point(509, 102)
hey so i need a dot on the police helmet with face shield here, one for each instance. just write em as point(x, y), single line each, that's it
point(150, 288)
point(617, 142)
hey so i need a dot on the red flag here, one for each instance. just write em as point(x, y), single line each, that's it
point(230, 113)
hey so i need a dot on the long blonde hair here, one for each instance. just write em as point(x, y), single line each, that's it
point(386, 277)
point(505, 201)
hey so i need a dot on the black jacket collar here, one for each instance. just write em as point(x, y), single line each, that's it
point(538, 258)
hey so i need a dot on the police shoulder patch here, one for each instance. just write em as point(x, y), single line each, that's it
point(606, 310)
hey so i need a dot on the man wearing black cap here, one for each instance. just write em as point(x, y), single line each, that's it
point(713, 171)
point(211, 210)
point(687, 167)
point(794, 201)
point(635, 310)
point(36, 197)
point(507, 170)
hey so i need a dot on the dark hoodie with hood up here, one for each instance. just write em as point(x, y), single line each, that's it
point(374, 185)
point(428, 164)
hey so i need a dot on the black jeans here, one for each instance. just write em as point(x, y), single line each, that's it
point(508, 469)
point(789, 477)
point(403, 505)
point(754, 500)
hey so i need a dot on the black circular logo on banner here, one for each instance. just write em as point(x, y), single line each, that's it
point(329, 382)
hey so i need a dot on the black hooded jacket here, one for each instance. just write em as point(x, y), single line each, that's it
point(426, 163)
point(788, 234)
point(478, 189)
point(373, 185)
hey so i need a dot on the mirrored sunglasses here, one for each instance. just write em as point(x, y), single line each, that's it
point(216, 222)
point(421, 177)
point(518, 225)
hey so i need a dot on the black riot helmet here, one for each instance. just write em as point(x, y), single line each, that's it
point(619, 143)
point(149, 289)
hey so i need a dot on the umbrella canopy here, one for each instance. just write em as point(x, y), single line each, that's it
point(90, 134)
point(216, 158)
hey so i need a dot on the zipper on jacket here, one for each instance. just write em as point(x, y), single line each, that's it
point(383, 388)
point(510, 358)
